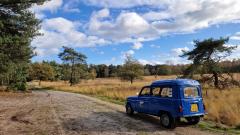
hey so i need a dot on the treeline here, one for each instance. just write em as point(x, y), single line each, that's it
point(231, 66)
point(51, 70)
point(205, 57)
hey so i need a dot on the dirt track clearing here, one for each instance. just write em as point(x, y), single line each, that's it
point(54, 113)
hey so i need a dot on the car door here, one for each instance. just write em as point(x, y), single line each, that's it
point(161, 99)
point(154, 108)
point(143, 99)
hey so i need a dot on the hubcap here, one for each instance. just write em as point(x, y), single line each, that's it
point(165, 120)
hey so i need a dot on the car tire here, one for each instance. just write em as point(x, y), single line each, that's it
point(129, 110)
point(167, 121)
point(193, 120)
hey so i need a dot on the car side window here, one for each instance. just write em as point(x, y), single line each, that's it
point(146, 91)
point(156, 91)
point(166, 92)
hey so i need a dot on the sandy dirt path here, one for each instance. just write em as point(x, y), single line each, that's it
point(62, 113)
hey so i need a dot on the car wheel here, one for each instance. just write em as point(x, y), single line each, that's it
point(129, 109)
point(167, 121)
point(193, 120)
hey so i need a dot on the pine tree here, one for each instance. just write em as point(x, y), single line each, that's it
point(77, 62)
point(18, 26)
point(206, 57)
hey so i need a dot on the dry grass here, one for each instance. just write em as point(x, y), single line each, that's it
point(222, 106)
point(14, 95)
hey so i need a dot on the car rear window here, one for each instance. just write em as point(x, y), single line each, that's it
point(191, 92)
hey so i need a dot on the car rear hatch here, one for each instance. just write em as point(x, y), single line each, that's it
point(192, 102)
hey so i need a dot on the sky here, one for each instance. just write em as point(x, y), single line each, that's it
point(151, 31)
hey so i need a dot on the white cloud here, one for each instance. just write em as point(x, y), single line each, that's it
point(58, 32)
point(236, 36)
point(163, 17)
point(97, 51)
point(151, 62)
point(52, 5)
point(137, 46)
point(71, 6)
point(169, 58)
point(129, 52)
point(235, 53)
point(190, 43)
point(127, 27)
point(126, 54)
point(168, 61)
point(125, 3)
point(179, 51)
point(185, 18)
point(168, 17)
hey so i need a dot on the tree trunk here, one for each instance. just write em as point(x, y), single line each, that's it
point(72, 70)
point(131, 80)
point(39, 83)
point(216, 81)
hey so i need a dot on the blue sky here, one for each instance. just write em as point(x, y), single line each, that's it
point(152, 31)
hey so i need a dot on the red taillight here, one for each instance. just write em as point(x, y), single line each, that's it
point(180, 109)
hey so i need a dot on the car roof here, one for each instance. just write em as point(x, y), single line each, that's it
point(175, 82)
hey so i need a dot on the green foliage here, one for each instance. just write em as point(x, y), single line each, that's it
point(206, 57)
point(41, 72)
point(80, 72)
point(22, 86)
point(17, 76)
point(92, 74)
point(56, 69)
point(77, 63)
point(65, 72)
point(164, 70)
point(209, 51)
point(146, 72)
point(18, 26)
point(131, 70)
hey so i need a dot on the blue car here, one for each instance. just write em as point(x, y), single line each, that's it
point(170, 100)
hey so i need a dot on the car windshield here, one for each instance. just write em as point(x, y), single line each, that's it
point(191, 92)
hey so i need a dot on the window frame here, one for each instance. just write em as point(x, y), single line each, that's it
point(198, 90)
point(168, 95)
point(150, 91)
point(160, 91)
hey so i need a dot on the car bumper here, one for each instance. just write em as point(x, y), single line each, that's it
point(192, 115)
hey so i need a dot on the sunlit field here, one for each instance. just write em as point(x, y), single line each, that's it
point(223, 106)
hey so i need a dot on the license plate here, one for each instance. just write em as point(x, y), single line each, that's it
point(194, 108)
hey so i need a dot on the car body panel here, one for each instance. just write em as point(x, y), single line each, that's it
point(152, 104)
